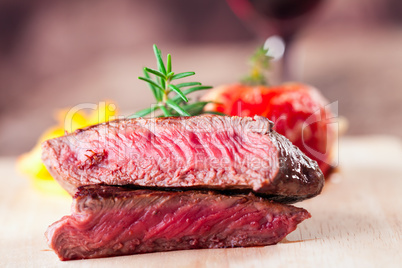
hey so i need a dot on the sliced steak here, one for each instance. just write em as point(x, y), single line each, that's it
point(111, 221)
point(214, 152)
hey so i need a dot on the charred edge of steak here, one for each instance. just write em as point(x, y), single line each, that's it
point(111, 221)
point(86, 190)
point(298, 178)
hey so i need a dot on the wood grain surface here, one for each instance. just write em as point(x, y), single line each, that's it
point(356, 221)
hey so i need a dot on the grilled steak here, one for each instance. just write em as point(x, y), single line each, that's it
point(214, 152)
point(111, 221)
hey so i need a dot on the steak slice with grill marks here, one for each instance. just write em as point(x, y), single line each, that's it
point(214, 152)
point(111, 221)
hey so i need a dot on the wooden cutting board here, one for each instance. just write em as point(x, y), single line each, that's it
point(356, 221)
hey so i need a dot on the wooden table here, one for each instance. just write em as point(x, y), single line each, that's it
point(357, 221)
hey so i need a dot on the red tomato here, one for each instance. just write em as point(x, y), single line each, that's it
point(297, 110)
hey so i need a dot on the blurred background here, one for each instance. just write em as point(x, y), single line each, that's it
point(56, 54)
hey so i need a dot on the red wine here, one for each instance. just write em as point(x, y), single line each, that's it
point(284, 9)
point(283, 17)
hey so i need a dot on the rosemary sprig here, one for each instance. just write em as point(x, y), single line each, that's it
point(260, 62)
point(171, 98)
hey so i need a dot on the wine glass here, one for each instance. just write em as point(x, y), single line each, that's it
point(283, 18)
